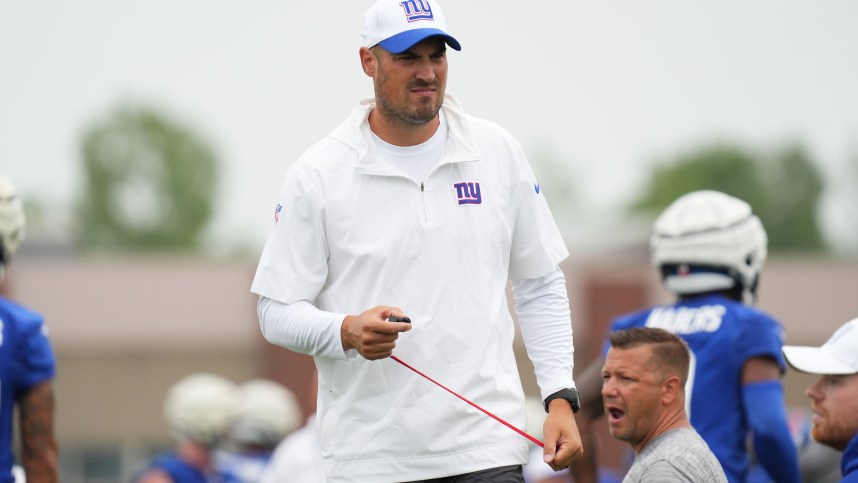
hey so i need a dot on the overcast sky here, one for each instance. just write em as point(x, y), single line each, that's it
point(606, 87)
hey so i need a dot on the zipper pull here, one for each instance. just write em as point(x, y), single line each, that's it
point(421, 187)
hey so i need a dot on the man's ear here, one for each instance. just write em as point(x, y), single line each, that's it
point(368, 62)
point(670, 389)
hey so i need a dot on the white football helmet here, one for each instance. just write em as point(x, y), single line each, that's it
point(708, 241)
point(12, 221)
point(264, 413)
point(198, 407)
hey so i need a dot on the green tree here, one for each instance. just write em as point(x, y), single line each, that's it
point(844, 206)
point(149, 183)
point(851, 205)
point(783, 188)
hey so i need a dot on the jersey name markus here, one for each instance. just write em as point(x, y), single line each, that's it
point(687, 320)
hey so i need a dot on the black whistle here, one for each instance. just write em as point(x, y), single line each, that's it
point(394, 318)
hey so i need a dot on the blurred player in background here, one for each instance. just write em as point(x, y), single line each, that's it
point(709, 249)
point(298, 458)
point(263, 414)
point(27, 365)
point(197, 409)
point(835, 395)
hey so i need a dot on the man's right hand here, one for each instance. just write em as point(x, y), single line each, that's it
point(371, 334)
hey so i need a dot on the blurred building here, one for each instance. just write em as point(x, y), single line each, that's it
point(125, 329)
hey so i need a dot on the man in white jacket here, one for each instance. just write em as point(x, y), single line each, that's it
point(413, 208)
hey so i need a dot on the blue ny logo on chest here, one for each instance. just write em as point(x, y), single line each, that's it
point(417, 10)
point(468, 193)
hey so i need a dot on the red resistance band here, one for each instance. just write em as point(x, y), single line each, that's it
point(510, 426)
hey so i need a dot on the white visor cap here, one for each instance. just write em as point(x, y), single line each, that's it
point(837, 356)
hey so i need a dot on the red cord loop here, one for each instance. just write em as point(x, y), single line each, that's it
point(472, 404)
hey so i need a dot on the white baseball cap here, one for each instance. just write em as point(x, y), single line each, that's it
point(397, 25)
point(837, 356)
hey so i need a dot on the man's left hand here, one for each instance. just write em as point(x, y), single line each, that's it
point(562, 441)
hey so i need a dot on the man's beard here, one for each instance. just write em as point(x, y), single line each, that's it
point(422, 114)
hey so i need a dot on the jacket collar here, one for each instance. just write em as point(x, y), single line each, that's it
point(356, 134)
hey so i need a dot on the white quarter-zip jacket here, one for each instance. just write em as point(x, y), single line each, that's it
point(352, 233)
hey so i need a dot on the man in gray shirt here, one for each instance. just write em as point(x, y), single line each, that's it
point(643, 391)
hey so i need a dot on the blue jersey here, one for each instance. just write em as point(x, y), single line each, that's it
point(849, 463)
point(179, 471)
point(241, 467)
point(722, 334)
point(26, 359)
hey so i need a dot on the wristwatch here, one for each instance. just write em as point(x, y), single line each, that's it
point(570, 395)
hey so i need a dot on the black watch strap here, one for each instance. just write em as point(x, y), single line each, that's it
point(570, 395)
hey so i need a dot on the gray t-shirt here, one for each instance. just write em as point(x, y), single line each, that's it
point(676, 455)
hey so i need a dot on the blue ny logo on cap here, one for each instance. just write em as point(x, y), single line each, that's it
point(417, 10)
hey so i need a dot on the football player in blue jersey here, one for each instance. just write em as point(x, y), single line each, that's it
point(265, 412)
point(27, 366)
point(198, 410)
point(709, 249)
